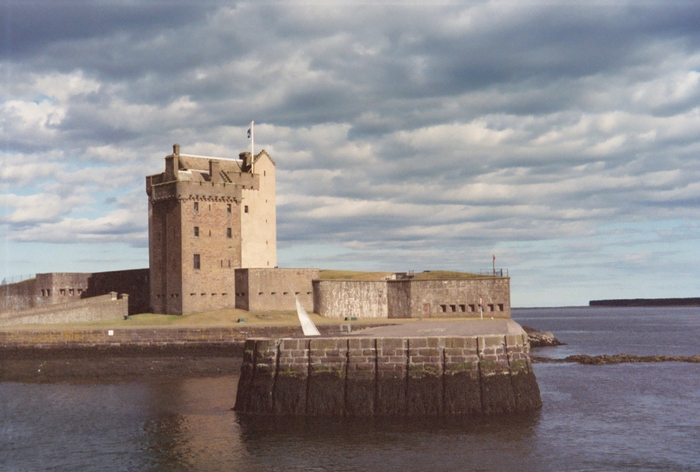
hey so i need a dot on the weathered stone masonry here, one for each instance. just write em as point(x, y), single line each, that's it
point(362, 376)
point(410, 298)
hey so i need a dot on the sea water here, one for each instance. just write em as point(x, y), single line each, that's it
point(611, 417)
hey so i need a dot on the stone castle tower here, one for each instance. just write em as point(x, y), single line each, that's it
point(206, 217)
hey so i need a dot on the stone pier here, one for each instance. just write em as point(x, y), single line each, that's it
point(453, 368)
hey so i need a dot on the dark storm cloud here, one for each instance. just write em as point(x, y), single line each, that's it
point(30, 26)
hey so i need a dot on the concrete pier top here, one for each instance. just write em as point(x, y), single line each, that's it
point(465, 328)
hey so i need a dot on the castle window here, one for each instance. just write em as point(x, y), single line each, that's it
point(63, 291)
point(462, 308)
point(196, 261)
point(500, 307)
point(228, 208)
point(48, 292)
point(196, 206)
point(443, 308)
point(43, 292)
point(229, 233)
point(454, 308)
point(71, 291)
point(245, 208)
point(196, 231)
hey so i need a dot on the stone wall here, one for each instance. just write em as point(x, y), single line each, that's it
point(46, 289)
point(133, 282)
point(274, 289)
point(362, 376)
point(60, 338)
point(60, 288)
point(348, 298)
point(413, 298)
point(19, 296)
point(105, 307)
point(458, 297)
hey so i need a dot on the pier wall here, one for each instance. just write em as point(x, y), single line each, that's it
point(364, 376)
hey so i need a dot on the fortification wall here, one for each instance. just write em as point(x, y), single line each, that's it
point(103, 307)
point(60, 288)
point(274, 289)
point(134, 282)
point(412, 298)
point(46, 289)
point(459, 297)
point(19, 296)
point(362, 376)
point(343, 298)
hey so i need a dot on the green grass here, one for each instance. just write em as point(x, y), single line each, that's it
point(444, 274)
point(215, 318)
point(427, 275)
point(352, 275)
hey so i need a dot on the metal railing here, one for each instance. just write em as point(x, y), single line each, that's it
point(494, 272)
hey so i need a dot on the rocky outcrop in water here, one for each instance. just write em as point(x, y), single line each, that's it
point(539, 338)
point(614, 359)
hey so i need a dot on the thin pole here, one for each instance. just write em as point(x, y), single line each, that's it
point(252, 147)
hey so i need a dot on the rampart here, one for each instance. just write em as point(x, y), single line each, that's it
point(387, 376)
point(103, 307)
point(274, 289)
point(413, 298)
point(348, 298)
point(58, 288)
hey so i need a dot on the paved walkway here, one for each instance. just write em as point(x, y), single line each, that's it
point(444, 328)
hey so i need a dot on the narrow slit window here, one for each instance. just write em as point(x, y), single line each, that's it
point(196, 231)
point(228, 208)
point(245, 208)
point(196, 206)
point(229, 233)
point(197, 264)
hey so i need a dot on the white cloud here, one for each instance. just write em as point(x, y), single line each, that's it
point(400, 131)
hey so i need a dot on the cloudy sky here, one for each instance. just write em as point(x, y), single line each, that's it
point(564, 140)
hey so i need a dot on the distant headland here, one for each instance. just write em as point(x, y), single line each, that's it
point(647, 302)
